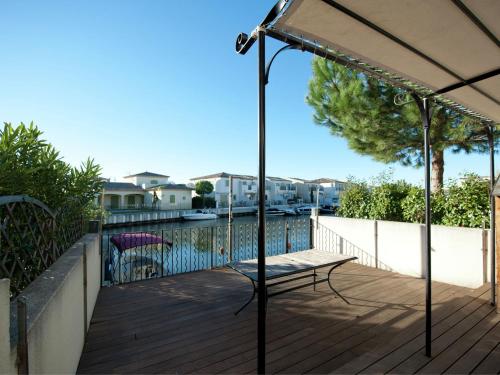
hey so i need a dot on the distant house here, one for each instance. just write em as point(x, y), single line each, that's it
point(244, 188)
point(146, 190)
point(169, 197)
point(330, 190)
point(280, 190)
point(147, 179)
point(122, 195)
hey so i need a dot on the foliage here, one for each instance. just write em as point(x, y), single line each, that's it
point(461, 203)
point(414, 206)
point(361, 109)
point(203, 187)
point(355, 201)
point(385, 201)
point(467, 203)
point(198, 202)
point(30, 165)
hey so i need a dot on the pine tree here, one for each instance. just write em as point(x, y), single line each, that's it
point(362, 110)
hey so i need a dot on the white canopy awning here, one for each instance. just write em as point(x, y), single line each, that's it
point(423, 45)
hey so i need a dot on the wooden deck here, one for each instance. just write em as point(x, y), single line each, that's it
point(185, 324)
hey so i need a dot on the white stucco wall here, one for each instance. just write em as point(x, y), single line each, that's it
point(182, 199)
point(459, 255)
point(55, 304)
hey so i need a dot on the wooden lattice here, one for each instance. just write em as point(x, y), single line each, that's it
point(32, 237)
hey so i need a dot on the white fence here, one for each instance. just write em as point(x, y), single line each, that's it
point(459, 255)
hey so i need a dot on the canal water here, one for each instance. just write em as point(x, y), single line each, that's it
point(198, 245)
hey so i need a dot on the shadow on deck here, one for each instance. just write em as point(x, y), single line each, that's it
point(185, 324)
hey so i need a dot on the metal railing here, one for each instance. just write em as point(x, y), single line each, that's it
point(189, 249)
point(326, 239)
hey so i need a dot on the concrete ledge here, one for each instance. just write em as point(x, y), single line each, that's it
point(56, 320)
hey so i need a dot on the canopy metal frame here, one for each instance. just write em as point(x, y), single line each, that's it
point(423, 96)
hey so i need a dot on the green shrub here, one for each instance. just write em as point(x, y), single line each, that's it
point(386, 199)
point(467, 203)
point(197, 202)
point(413, 206)
point(355, 201)
point(462, 203)
point(30, 165)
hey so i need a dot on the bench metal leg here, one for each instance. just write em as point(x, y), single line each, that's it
point(332, 288)
point(250, 300)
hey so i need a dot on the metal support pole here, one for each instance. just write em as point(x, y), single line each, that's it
point(428, 287)
point(261, 264)
point(491, 142)
point(424, 108)
point(230, 220)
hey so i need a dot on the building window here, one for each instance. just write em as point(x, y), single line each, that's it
point(183, 197)
point(172, 199)
point(153, 182)
point(234, 197)
point(244, 182)
point(226, 182)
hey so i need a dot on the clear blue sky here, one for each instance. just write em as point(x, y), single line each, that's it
point(156, 85)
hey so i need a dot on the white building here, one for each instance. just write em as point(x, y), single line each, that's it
point(244, 189)
point(147, 179)
point(170, 197)
point(330, 190)
point(146, 190)
point(280, 191)
point(122, 195)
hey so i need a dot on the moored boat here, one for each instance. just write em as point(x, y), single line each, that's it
point(274, 212)
point(199, 215)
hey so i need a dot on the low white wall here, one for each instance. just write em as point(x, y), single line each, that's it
point(55, 305)
point(400, 247)
point(459, 255)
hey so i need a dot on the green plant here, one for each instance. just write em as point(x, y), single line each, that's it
point(30, 165)
point(385, 201)
point(413, 206)
point(202, 188)
point(197, 202)
point(467, 203)
point(355, 200)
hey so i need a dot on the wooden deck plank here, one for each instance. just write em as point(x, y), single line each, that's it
point(478, 353)
point(225, 311)
point(378, 358)
point(379, 326)
point(243, 343)
point(442, 361)
point(491, 364)
point(185, 324)
point(447, 338)
point(309, 332)
point(416, 345)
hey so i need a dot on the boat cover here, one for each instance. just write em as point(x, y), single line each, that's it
point(124, 241)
